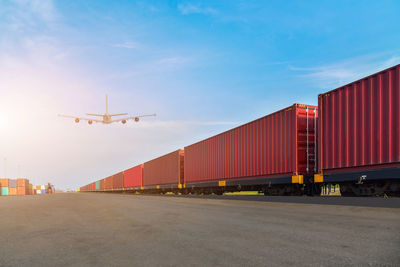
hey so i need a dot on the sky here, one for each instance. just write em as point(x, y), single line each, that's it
point(203, 66)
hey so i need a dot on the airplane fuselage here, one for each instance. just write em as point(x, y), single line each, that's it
point(107, 118)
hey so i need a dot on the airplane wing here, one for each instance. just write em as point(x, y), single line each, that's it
point(77, 119)
point(135, 118)
point(121, 114)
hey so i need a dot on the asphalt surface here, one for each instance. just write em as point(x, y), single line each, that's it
point(91, 229)
point(327, 200)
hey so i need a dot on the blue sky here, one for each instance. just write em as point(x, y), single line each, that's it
point(203, 66)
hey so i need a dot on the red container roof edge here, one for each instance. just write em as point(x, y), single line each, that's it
point(180, 151)
point(242, 125)
point(359, 80)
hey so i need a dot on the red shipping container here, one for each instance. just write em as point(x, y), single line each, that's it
point(118, 180)
point(133, 177)
point(22, 190)
point(167, 169)
point(22, 182)
point(108, 183)
point(273, 146)
point(359, 125)
point(101, 184)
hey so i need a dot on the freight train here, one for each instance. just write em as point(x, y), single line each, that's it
point(351, 139)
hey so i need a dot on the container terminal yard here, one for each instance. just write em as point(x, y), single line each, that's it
point(276, 140)
point(186, 207)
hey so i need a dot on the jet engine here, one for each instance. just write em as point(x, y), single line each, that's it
point(90, 122)
point(136, 119)
point(76, 120)
point(123, 121)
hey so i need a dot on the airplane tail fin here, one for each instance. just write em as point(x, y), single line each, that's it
point(106, 103)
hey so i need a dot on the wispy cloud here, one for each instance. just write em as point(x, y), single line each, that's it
point(342, 72)
point(128, 45)
point(187, 9)
point(23, 15)
point(152, 67)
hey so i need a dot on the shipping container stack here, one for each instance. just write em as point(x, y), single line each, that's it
point(16, 187)
point(22, 187)
point(12, 187)
point(4, 187)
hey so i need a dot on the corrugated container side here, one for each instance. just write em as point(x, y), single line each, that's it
point(108, 184)
point(12, 183)
point(4, 182)
point(97, 185)
point(22, 190)
point(167, 169)
point(22, 182)
point(118, 180)
point(4, 191)
point(272, 146)
point(101, 184)
point(12, 191)
point(359, 124)
point(133, 177)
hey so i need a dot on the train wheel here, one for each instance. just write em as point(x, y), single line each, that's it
point(346, 190)
point(364, 190)
point(393, 190)
point(219, 192)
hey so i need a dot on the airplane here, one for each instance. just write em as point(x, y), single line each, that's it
point(107, 117)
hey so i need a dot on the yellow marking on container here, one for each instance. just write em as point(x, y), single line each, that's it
point(297, 179)
point(184, 185)
point(158, 187)
point(318, 178)
point(141, 188)
point(221, 183)
point(180, 186)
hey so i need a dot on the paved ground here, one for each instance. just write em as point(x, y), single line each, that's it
point(89, 229)
point(327, 200)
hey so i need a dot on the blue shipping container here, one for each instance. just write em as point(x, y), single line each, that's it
point(12, 183)
point(43, 191)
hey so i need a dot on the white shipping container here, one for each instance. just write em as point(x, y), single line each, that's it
point(38, 192)
point(43, 187)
